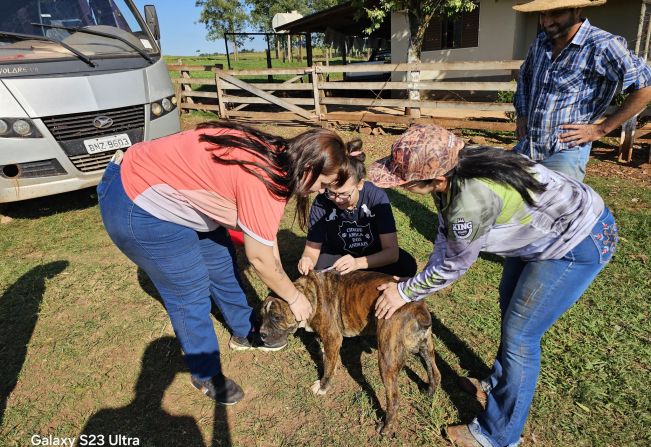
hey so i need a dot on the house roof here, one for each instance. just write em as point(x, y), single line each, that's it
point(340, 18)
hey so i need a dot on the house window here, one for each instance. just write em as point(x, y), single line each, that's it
point(445, 33)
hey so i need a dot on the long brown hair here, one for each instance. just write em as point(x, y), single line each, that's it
point(284, 161)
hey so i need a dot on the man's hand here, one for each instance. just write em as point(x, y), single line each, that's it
point(521, 127)
point(301, 307)
point(389, 301)
point(578, 134)
point(305, 265)
point(346, 264)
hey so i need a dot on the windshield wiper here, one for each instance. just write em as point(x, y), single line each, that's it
point(77, 53)
point(99, 33)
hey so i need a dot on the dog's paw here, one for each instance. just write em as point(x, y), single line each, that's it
point(316, 389)
point(386, 431)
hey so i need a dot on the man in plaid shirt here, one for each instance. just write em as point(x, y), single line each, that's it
point(570, 76)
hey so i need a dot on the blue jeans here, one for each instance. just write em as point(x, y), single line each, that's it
point(187, 267)
point(533, 295)
point(571, 162)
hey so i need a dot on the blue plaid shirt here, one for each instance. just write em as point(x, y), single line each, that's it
point(574, 88)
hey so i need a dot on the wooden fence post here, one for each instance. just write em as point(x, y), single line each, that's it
point(315, 91)
point(218, 85)
point(627, 139)
point(187, 87)
point(318, 78)
point(177, 90)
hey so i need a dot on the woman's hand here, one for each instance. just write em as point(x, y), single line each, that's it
point(300, 307)
point(305, 265)
point(346, 264)
point(389, 301)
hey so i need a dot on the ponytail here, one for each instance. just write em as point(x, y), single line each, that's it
point(499, 166)
point(354, 166)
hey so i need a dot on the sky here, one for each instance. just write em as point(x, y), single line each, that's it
point(180, 35)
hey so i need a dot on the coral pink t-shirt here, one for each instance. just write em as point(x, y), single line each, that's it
point(176, 179)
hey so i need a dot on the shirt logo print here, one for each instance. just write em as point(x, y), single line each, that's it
point(332, 216)
point(461, 228)
point(356, 238)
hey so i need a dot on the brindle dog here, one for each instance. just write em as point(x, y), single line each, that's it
point(344, 306)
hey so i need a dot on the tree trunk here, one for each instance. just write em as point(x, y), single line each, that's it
point(235, 52)
point(418, 23)
point(277, 48)
point(289, 47)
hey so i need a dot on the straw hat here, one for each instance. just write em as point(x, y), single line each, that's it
point(548, 5)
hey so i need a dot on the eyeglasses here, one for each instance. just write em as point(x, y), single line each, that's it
point(339, 195)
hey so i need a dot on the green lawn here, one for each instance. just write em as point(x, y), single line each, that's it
point(249, 61)
point(85, 345)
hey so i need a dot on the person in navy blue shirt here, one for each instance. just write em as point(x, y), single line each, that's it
point(352, 227)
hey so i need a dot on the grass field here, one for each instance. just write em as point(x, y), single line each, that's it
point(254, 60)
point(86, 346)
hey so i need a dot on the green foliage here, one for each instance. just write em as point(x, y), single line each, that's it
point(223, 16)
point(424, 9)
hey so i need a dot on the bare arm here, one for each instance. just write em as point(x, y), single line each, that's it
point(388, 255)
point(265, 260)
point(584, 133)
point(310, 257)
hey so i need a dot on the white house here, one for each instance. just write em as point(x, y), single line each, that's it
point(494, 31)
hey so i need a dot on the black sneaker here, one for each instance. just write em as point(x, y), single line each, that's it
point(252, 341)
point(220, 388)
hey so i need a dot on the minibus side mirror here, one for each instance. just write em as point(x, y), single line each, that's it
point(152, 20)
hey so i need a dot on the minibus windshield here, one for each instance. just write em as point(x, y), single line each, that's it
point(95, 28)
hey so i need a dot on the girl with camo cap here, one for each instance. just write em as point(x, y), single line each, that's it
point(554, 232)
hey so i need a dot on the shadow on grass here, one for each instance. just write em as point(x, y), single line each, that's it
point(421, 218)
point(19, 307)
point(47, 206)
point(144, 417)
point(424, 220)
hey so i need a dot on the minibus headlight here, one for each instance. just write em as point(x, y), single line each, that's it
point(156, 108)
point(18, 128)
point(162, 107)
point(22, 128)
point(167, 104)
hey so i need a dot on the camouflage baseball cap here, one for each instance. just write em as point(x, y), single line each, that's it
point(423, 152)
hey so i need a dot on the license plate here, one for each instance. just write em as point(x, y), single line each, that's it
point(109, 143)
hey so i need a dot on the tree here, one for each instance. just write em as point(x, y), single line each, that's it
point(224, 16)
point(420, 13)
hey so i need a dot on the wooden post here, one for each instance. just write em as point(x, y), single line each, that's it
point(640, 27)
point(308, 49)
point(270, 78)
point(318, 77)
point(289, 47)
point(627, 139)
point(222, 107)
point(187, 87)
point(315, 92)
point(178, 89)
point(228, 58)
